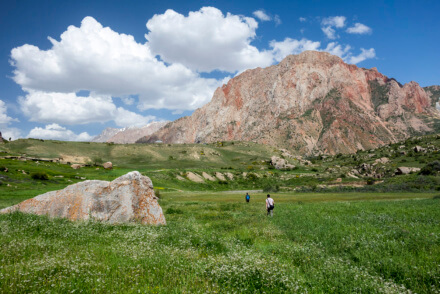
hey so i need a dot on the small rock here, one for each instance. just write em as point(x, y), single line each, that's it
point(108, 165)
point(76, 166)
point(220, 176)
point(208, 177)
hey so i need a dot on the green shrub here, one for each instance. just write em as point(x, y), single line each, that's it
point(431, 168)
point(370, 181)
point(271, 188)
point(157, 193)
point(39, 176)
point(252, 176)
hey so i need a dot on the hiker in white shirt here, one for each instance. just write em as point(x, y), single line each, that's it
point(269, 205)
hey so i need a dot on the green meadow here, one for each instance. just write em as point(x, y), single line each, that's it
point(215, 243)
point(378, 238)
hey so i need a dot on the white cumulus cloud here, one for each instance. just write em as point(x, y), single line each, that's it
point(206, 40)
point(329, 24)
point(338, 49)
point(97, 59)
point(334, 21)
point(4, 118)
point(57, 132)
point(359, 28)
point(261, 15)
point(5, 121)
point(365, 54)
point(70, 109)
point(292, 46)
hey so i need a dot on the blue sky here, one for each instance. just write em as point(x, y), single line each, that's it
point(69, 69)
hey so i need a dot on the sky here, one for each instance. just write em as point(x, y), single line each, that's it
point(70, 69)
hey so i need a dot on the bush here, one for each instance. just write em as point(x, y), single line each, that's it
point(251, 177)
point(431, 168)
point(314, 169)
point(271, 188)
point(40, 176)
point(370, 181)
point(157, 193)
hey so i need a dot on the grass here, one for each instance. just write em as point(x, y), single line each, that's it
point(374, 240)
point(215, 242)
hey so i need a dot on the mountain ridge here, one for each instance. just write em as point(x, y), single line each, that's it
point(313, 103)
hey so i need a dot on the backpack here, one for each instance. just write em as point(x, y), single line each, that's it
point(248, 197)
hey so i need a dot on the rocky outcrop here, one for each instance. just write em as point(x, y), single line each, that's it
point(129, 198)
point(312, 103)
point(208, 177)
point(280, 163)
point(194, 177)
point(406, 170)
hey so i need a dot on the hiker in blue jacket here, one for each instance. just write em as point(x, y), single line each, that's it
point(248, 198)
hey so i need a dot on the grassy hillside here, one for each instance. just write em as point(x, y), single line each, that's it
point(247, 164)
point(216, 244)
point(373, 232)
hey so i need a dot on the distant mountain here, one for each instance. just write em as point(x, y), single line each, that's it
point(106, 134)
point(313, 103)
point(128, 135)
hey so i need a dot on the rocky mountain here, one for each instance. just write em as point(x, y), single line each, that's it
point(313, 103)
point(105, 135)
point(128, 135)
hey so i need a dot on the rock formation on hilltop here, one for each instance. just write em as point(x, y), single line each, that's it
point(313, 103)
point(128, 135)
point(128, 198)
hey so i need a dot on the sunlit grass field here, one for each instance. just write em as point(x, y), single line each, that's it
point(217, 243)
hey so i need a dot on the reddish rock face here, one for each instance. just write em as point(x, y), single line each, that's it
point(312, 102)
point(126, 199)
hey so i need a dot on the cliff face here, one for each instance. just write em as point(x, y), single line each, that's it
point(312, 102)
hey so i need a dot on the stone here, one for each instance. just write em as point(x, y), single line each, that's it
point(406, 170)
point(339, 180)
point(208, 177)
point(220, 176)
point(419, 149)
point(194, 177)
point(280, 163)
point(180, 178)
point(230, 176)
point(382, 160)
point(108, 165)
point(129, 198)
point(76, 166)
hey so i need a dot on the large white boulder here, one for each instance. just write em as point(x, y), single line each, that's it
point(129, 198)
